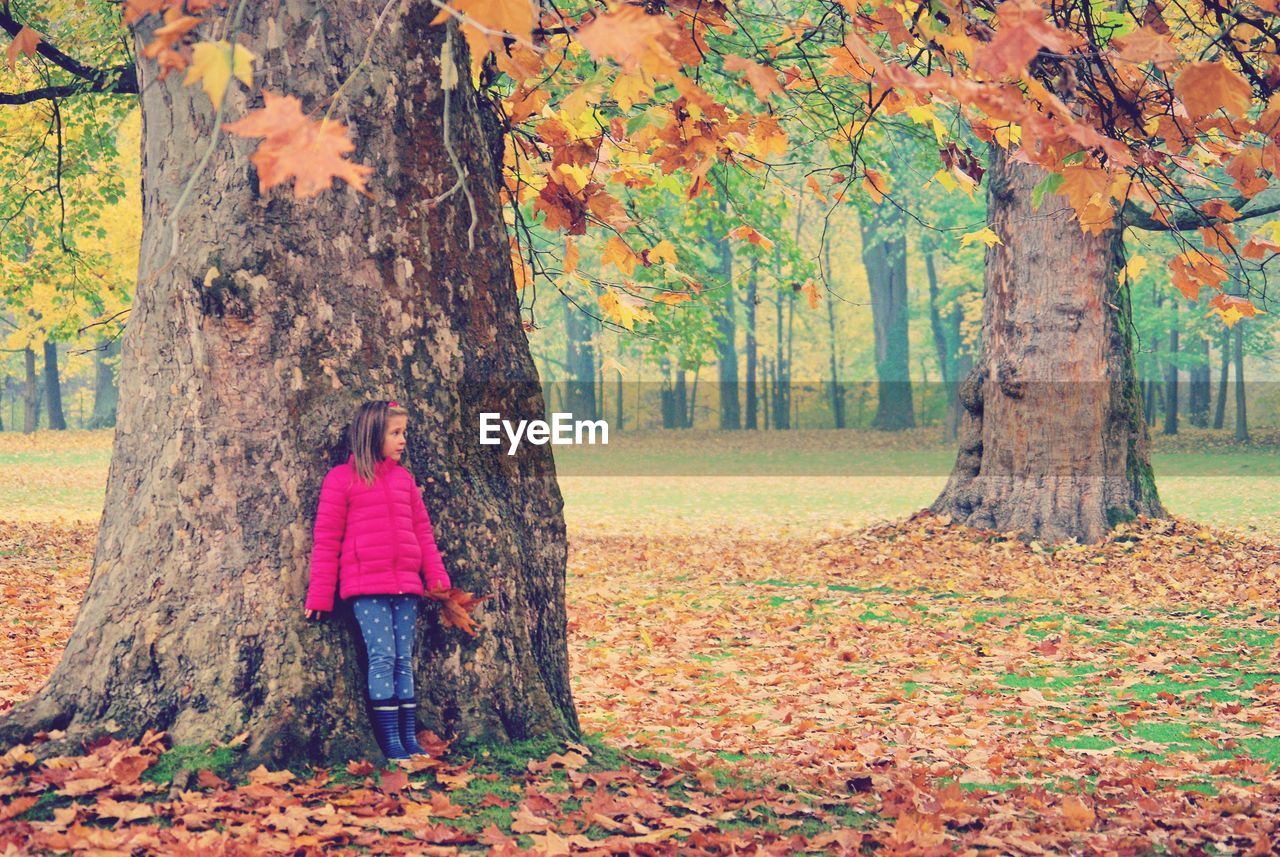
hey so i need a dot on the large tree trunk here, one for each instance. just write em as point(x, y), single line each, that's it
point(53, 387)
point(105, 391)
point(30, 393)
point(884, 255)
point(244, 357)
point(1053, 444)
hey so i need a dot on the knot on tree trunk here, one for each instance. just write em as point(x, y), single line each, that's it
point(1006, 377)
point(970, 391)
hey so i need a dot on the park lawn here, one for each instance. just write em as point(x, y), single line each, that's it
point(814, 481)
point(751, 669)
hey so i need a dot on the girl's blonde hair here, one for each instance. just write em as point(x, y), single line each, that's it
point(367, 432)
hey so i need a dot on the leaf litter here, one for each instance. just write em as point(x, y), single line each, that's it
point(906, 688)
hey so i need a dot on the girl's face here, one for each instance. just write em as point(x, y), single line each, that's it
point(393, 440)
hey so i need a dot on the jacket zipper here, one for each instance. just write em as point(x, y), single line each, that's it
point(395, 544)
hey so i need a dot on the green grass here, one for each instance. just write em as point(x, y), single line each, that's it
point(807, 480)
point(204, 757)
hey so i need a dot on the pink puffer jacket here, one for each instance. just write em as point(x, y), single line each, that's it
point(372, 539)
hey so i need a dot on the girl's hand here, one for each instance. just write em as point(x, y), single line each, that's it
point(315, 614)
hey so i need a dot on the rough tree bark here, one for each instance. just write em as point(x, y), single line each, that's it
point(1053, 444)
point(243, 359)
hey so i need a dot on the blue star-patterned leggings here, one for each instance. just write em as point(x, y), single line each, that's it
point(387, 623)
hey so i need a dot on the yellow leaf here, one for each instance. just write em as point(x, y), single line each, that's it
point(663, 251)
point(623, 309)
point(632, 89)
point(1007, 135)
point(617, 253)
point(1230, 315)
point(574, 176)
point(923, 114)
point(1135, 266)
point(985, 235)
point(213, 64)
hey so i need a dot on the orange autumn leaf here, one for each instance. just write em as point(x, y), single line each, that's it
point(457, 607)
point(762, 78)
point(1023, 30)
point(1146, 44)
point(168, 35)
point(299, 147)
point(672, 297)
point(1190, 271)
point(1232, 308)
point(26, 42)
point(1077, 814)
point(1206, 87)
point(876, 184)
point(633, 39)
point(810, 291)
point(507, 16)
point(751, 236)
point(136, 10)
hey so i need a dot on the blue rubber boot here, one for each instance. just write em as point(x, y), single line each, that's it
point(409, 727)
point(386, 728)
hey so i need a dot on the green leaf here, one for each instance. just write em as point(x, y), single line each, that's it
point(1049, 185)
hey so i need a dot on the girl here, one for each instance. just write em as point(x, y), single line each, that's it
point(373, 540)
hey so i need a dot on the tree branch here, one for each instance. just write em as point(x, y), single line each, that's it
point(125, 84)
point(121, 79)
point(1139, 219)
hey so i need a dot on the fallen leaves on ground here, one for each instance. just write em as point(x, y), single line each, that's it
point(1105, 695)
point(914, 687)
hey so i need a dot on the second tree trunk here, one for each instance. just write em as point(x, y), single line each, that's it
point(1053, 444)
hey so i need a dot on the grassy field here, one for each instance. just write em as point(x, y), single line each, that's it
point(804, 481)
